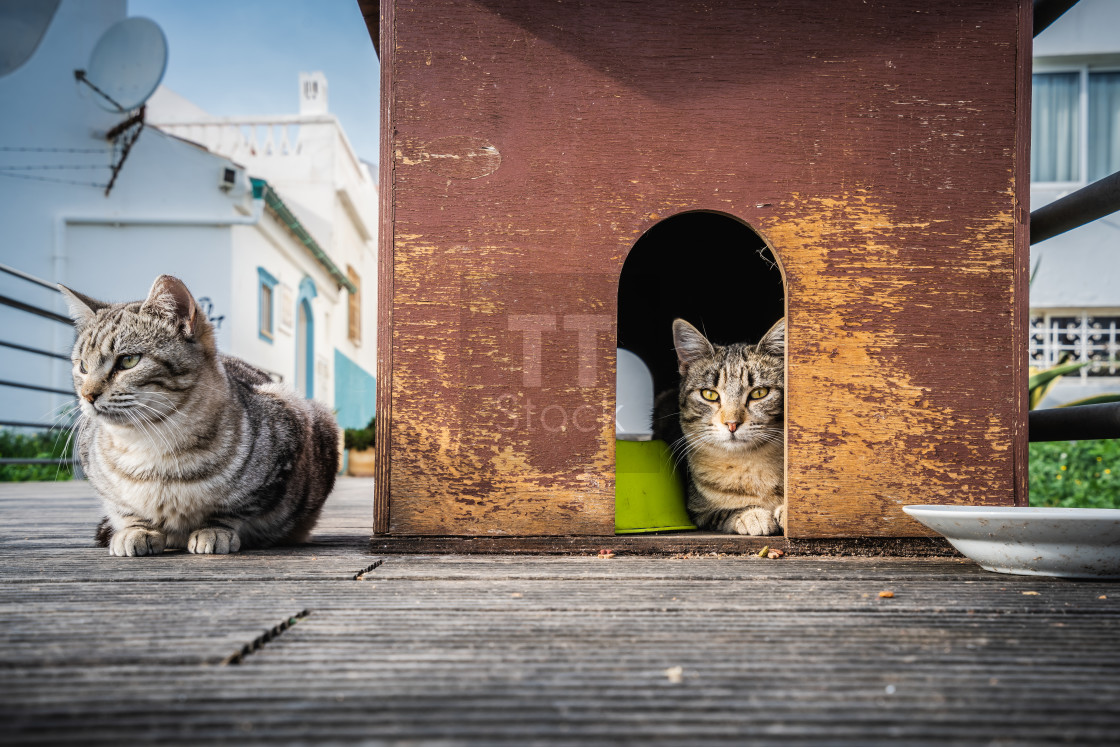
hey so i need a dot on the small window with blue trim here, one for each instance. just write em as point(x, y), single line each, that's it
point(266, 293)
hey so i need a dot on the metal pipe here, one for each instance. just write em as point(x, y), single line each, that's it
point(37, 351)
point(27, 277)
point(39, 426)
point(37, 388)
point(6, 301)
point(1079, 423)
point(1083, 206)
point(1048, 11)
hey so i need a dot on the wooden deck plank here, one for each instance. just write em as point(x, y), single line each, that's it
point(95, 565)
point(524, 649)
point(772, 596)
point(67, 513)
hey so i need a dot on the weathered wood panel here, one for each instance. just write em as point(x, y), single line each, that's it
point(872, 144)
point(385, 270)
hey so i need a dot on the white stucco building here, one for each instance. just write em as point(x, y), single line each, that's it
point(318, 192)
point(277, 242)
point(1075, 295)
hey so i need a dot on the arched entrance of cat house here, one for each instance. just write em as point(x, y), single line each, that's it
point(720, 276)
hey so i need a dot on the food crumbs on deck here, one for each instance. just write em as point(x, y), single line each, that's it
point(1103, 596)
point(763, 551)
point(886, 594)
point(774, 554)
point(516, 595)
point(1030, 593)
point(606, 554)
point(675, 674)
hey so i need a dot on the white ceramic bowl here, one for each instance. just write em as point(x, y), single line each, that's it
point(1069, 542)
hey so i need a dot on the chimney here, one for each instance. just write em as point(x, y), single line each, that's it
point(312, 93)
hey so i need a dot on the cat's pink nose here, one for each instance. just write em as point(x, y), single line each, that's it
point(732, 425)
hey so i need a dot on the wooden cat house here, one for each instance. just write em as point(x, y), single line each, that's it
point(876, 149)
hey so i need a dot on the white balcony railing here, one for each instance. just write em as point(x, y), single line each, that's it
point(1086, 336)
point(256, 137)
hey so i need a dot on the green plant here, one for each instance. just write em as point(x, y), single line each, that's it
point(1072, 474)
point(1041, 381)
point(1081, 474)
point(361, 439)
point(53, 445)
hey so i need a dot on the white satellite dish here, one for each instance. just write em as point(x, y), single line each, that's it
point(127, 63)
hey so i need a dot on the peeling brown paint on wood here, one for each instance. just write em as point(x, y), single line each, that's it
point(455, 156)
point(893, 395)
point(529, 145)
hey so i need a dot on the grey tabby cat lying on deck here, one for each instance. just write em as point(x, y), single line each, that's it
point(187, 447)
point(732, 417)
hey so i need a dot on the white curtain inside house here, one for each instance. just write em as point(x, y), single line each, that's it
point(1055, 127)
point(1104, 124)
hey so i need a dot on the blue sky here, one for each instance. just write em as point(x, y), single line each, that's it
point(243, 57)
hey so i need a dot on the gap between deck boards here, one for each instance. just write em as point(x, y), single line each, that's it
point(698, 543)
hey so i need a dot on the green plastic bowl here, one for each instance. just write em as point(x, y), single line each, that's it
point(649, 495)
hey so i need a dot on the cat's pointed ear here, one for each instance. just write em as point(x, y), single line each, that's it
point(691, 345)
point(82, 307)
point(170, 299)
point(774, 341)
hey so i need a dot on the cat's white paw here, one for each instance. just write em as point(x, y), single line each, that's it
point(780, 516)
point(214, 541)
point(132, 541)
point(755, 521)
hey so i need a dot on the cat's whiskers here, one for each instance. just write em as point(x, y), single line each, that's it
point(158, 427)
point(166, 465)
point(178, 410)
point(138, 427)
point(57, 413)
point(144, 408)
point(65, 414)
point(169, 411)
point(150, 435)
point(690, 443)
point(66, 446)
point(679, 451)
point(138, 424)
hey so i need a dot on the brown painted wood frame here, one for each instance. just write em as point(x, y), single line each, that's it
point(880, 148)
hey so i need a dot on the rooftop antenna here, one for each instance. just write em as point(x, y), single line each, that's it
point(125, 67)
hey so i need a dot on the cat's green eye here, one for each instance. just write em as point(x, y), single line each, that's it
point(759, 393)
point(128, 361)
point(82, 366)
point(709, 394)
